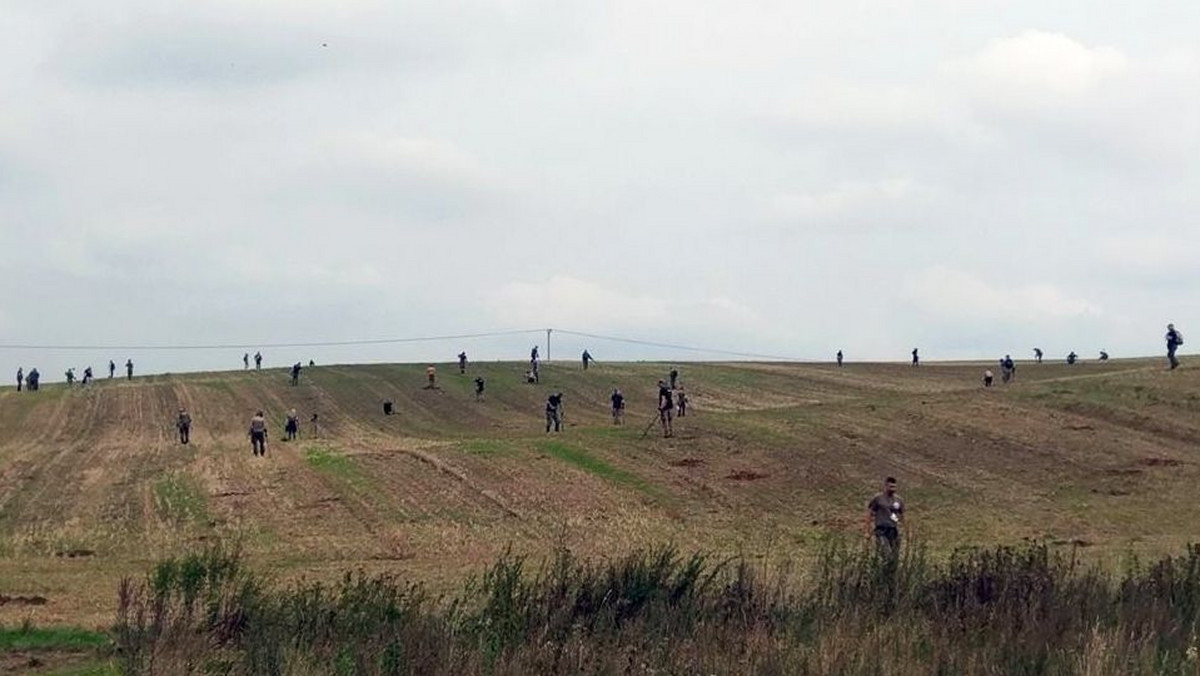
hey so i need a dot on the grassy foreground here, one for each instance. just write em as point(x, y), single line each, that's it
point(982, 611)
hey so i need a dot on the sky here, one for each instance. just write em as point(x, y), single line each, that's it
point(780, 178)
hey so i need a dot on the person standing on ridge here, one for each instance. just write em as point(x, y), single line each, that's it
point(128, 369)
point(184, 424)
point(1071, 358)
point(295, 374)
point(1174, 341)
point(258, 434)
point(618, 406)
point(258, 361)
point(33, 380)
point(674, 374)
point(885, 513)
point(431, 376)
point(479, 382)
point(1037, 354)
point(70, 377)
point(87, 375)
point(535, 370)
point(839, 357)
point(533, 354)
point(587, 359)
point(916, 360)
point(462, 363)
point(112, 369)
point(1103, 355)
point(666, 409)
point(554, 411)
point(246, 361)
point(20, 377)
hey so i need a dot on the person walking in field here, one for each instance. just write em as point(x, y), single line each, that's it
point(666, 409)
point(292, 426)
point(479, 383)
point(1174, 342)
point(885, 514)
point(618, 406)
point(682, 401)
point(674, 375)
point(554, 412)
point(312, 425)
point(128, 369)
point(295, 374)
point(184, 424)
point(431, 376)
point(839, 357)
point(20, 377)
point(988, 378)
point(462, 363)
point(535, 371)
point(258, 361)
point(1008, 369)
point(587, 359)
point(916, 359)
point(258, 434)
point(1037, 354)
point(533, 354)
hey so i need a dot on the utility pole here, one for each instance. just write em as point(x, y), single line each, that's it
point(548, 344)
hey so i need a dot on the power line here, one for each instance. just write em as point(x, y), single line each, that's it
point(243, 346)
point(689, 348)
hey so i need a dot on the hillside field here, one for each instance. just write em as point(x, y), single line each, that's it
point(771, 459)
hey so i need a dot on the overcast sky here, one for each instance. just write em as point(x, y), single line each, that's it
point(786, 178)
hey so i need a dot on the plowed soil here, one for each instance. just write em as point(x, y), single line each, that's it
point(770, 458)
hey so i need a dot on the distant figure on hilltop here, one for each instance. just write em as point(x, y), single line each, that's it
point(1174, 342)
point(587, 359)
point(112, 369)
point(246, 361)
point(479, 383)
point(295, 374)
point(839, 357)
point(33, 380)
point(20, 377)
point(258, 361)
point(87, 375)
point(885, 512)
point(1072, 358)
point(184, 424)
point(258, 434)
point(674, 374)
point(533, 354)
point(916, 360)
point(554, 411)
point(618, 406)
point(70, 377)
point(462, 363)
point(1103, 355)
point(128, 369)
point(1037, 354)
point(534, 368)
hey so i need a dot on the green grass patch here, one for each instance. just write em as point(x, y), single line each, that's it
point(593, 465)
point(102, 668)
point(53, 638)
point(487, 447)
point(329, 461)
point(180, 498)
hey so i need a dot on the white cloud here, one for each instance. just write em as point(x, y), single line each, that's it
point(1038, 67)
point(954, 294)
point(568, 302)
point(851, 198)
